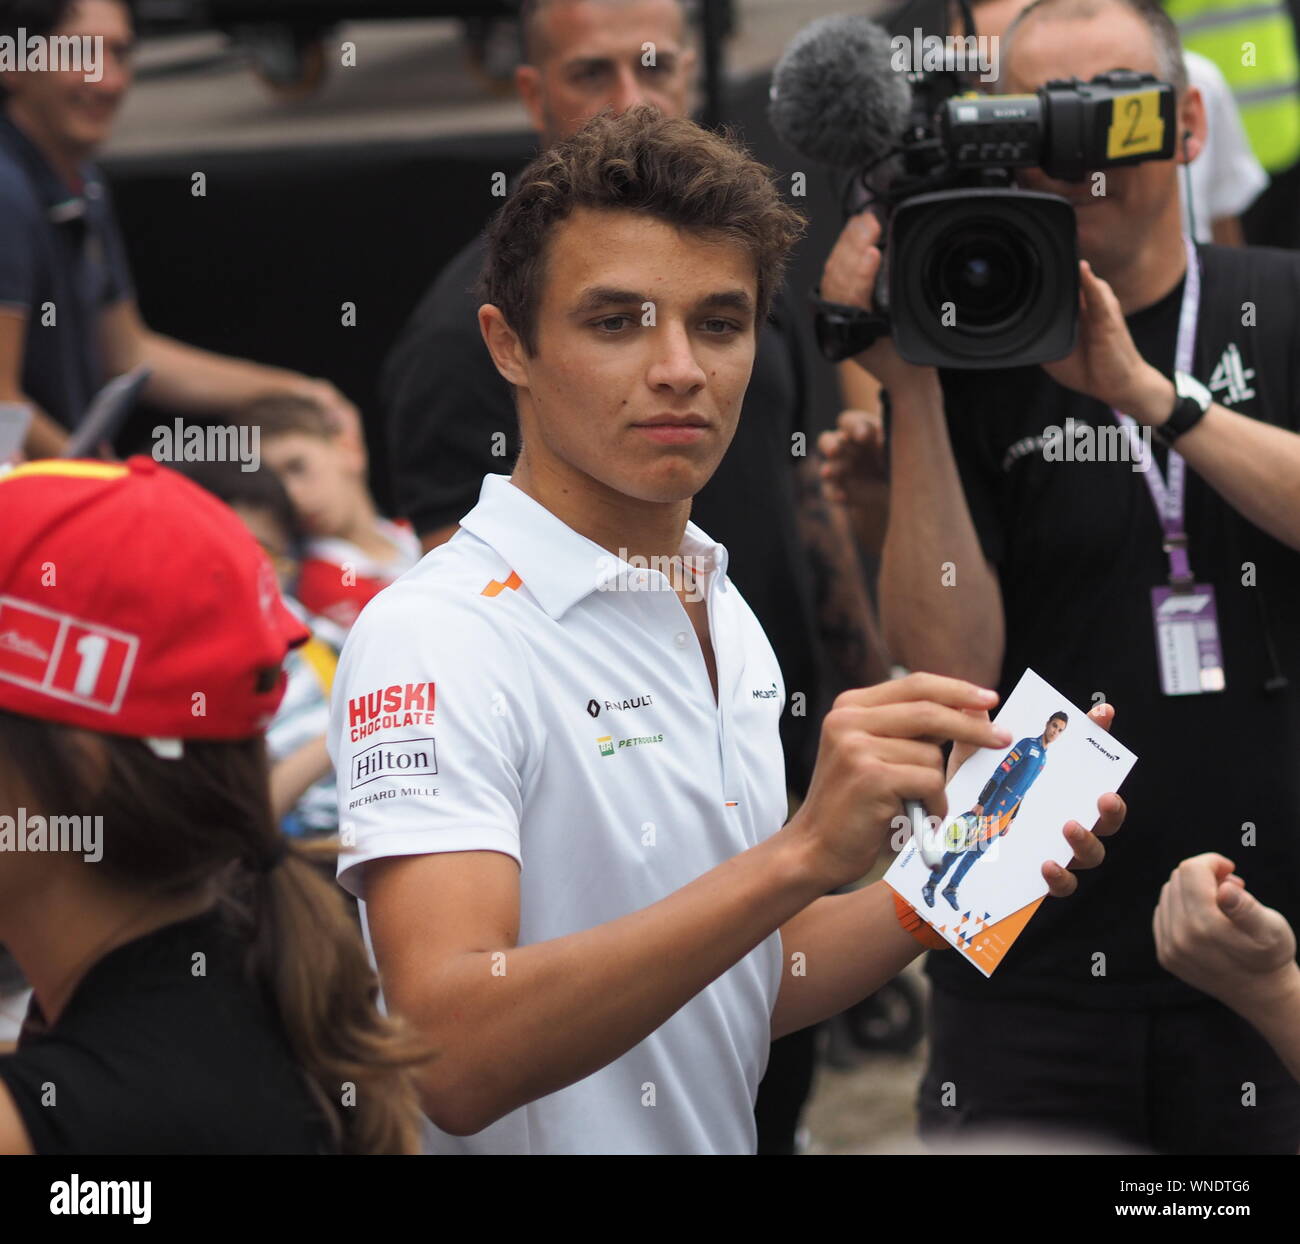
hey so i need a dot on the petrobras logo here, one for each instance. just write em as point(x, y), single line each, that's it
point(609, 746)
point(405, 758)
point(394, 707)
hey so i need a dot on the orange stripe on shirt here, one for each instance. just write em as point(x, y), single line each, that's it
point(494, 588)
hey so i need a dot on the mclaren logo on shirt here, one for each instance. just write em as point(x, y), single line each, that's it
point(620, 706)
point(765, 693)
point(405, 758)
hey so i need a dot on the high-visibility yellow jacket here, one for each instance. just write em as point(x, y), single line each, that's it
point(1253, 43)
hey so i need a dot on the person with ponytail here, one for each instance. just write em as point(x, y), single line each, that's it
point(198, 986)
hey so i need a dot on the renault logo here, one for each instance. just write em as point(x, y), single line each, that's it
point(593, 708)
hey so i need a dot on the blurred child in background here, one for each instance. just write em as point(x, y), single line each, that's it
point(351, 553)
point(302, 779)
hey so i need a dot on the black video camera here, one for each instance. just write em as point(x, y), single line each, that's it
point(979, 274)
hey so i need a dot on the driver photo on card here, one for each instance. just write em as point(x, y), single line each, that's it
point(997, 806)
point(985, 909)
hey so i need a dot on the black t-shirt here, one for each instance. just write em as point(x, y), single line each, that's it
point(1078, 549)
point(452, 420)
point(165, 1047)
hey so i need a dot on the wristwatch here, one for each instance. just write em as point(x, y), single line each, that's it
point(1192, 402)
point(843, 331)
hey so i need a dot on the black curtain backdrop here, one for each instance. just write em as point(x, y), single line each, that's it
point(261, 265)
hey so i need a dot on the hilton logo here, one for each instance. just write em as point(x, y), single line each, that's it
point(407, 758)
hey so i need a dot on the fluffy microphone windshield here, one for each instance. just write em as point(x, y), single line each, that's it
point(835, 96)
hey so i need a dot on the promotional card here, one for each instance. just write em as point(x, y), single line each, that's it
point(1007, 810)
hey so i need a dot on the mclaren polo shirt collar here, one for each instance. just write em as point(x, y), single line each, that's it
point(560, 566)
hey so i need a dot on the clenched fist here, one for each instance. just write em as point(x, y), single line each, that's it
point(1215, 935)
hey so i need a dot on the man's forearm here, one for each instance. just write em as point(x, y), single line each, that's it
point(1277, 1017)
point(848, 628)
point(1253, 465)
point(196, 381)
point(836, 952)
point(45, 438)
point(941, 606)
point(511, 1025)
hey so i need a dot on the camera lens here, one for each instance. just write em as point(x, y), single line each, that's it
point(982, 278)
point(986, 272)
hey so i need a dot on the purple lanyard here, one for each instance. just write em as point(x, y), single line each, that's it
point(1168, 498)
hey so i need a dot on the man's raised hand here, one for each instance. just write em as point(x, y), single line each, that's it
point(879, 746)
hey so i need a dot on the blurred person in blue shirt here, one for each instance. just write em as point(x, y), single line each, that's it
point(68, 315)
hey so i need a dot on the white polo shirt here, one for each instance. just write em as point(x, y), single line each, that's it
point(523, 690)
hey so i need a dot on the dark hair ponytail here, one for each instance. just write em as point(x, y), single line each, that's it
point(308, 954)
point(205, 818)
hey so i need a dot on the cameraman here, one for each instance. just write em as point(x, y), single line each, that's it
point(996, 560)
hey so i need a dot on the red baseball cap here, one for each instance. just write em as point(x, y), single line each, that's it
point(133, 602)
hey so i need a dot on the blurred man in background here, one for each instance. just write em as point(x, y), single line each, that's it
point(68, 315)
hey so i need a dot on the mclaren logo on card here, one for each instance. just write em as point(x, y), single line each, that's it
point(405, 758)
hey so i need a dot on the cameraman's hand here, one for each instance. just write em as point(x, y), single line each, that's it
point(1105, 363)
point(879, 746)
point(850, 278)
